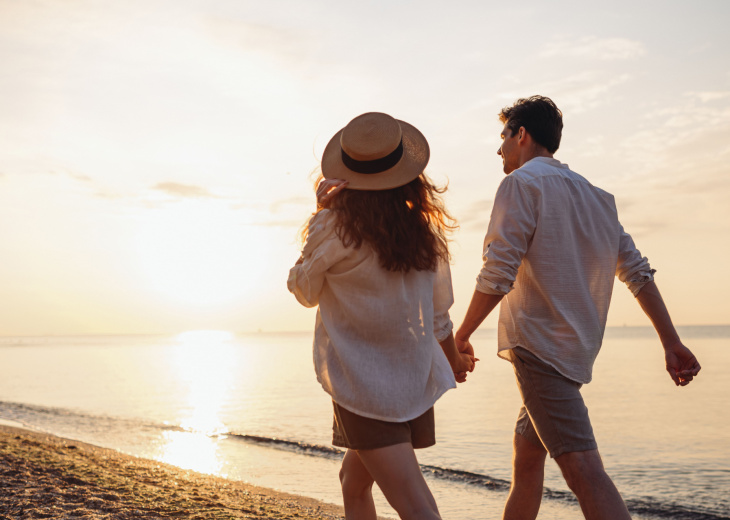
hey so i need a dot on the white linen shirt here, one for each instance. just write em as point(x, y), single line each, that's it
point(553, 246)
point(377, 332)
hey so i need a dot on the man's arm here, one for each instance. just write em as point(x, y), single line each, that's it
point(479, 308)
point(681, 363)
point(511, 226)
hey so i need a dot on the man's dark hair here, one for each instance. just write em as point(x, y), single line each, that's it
point(540, 117)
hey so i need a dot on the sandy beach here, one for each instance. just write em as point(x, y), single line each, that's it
point(43, 476)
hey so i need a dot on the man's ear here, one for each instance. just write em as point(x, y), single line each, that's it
point(522, 135)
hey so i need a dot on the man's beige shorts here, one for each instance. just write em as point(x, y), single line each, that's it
point(553, 414)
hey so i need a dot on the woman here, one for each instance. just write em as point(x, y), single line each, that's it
point(375, 260)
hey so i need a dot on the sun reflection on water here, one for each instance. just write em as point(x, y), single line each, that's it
point(204, 363)
point(192, 450)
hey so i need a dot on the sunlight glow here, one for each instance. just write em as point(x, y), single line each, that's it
point(195, 251)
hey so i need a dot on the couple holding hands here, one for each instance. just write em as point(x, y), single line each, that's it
point(376, 263)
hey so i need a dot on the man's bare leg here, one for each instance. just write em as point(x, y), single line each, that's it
point(528, 471)
point(598, 497)
point(357, 487)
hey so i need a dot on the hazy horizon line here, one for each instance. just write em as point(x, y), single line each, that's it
point(287, 332)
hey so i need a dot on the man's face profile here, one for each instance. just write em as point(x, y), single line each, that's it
point(508, 150)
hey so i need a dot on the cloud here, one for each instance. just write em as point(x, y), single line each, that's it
point(585, 91)
point(297, 202)
point(697, 117)
point(291, 223)
point(680, 151)
point(292, 212)
point(476, 216)
point(594, 48)
point(184, 191)
point(638, 224)
point(108, 195)
point(593, 146)
point(78, 176)
point(289, 45)
point(574, 94)
point(706, 97)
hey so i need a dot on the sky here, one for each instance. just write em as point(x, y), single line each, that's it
point(157, 157)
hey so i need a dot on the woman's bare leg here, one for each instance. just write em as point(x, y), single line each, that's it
point(357, 486)
point(528, 471)
point(397, 473)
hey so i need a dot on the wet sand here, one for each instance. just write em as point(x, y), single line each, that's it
point(43, 476)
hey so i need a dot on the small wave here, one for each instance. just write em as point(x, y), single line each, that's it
point(466, 477)
point(50, 419)
point(25, 413)
point(649, 506)
point(290, 445)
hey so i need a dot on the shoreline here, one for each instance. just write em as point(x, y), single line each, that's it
point(45, 476)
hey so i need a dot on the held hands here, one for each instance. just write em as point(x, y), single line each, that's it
point(461, 365)
point(466, 352)
point(681, 364)
point(327, 189)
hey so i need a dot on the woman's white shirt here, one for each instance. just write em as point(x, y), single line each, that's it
point(377, 332)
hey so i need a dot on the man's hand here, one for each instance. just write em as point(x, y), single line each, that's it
point(681, 364)
point(464, 346)
point(327, 189)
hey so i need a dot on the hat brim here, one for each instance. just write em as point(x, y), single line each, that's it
point(415, 158)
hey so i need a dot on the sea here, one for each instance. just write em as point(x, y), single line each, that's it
point(249, 408)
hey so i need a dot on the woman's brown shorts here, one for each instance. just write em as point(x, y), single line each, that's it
point(356, 432)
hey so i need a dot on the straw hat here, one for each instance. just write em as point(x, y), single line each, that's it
point(375, 152)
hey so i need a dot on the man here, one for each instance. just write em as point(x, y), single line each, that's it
point(553, 246)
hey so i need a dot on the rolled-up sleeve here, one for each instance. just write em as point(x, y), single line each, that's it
point(631, 268)
point(322, 250)
point(510, 230)
point(443, 299)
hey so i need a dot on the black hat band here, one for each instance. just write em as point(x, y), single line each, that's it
point(376, 165)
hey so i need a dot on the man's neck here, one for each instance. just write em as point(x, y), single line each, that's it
point(537, 151)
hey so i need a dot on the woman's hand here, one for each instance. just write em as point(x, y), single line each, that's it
point(461, 365)
point(326, 191)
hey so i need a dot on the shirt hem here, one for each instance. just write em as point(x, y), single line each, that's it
point(508, 356)
point(378, 417)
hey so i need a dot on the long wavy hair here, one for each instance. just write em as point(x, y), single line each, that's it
point(406, 226)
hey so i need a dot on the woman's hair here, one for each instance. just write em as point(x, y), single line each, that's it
point(406, 226)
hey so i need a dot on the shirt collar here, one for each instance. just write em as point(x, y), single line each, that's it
point(548, 160)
